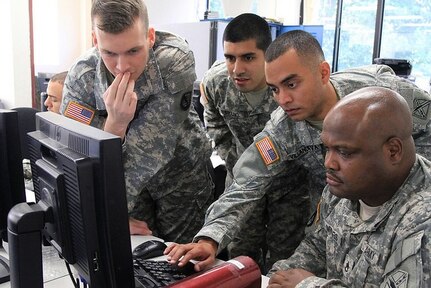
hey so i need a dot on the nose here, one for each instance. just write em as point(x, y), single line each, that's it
point(283, 97)
point(122, 64)
point(330, 161)
point(238, 68)
point(47, 103)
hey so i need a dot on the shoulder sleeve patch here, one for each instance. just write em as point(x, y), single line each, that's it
point(267, 151)
point(79, 113)
point(186, 100)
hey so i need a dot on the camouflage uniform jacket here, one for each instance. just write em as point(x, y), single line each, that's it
point(165, 133)
point(284, 144)
point(391, 249)
point(231, 122)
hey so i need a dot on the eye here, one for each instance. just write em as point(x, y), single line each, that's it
point(344, 153)
point(248, 58)
point(109, 54)
point(133, 51)
point(274, 89)
point(291, 85)
point(230, 59)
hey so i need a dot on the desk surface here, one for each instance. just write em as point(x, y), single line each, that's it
point(54, 270)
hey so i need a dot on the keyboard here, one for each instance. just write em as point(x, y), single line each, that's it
point(150, 273)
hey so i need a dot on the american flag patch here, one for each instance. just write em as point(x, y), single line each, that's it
point(79, 113)
point(267, 151)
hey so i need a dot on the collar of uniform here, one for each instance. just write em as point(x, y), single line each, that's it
point(309, 136)
point(150, 82)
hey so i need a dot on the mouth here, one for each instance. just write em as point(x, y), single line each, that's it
point(291, 111)
point(333, 180)
point(241, 81)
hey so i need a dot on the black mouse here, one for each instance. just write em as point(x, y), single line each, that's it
point(149, 249)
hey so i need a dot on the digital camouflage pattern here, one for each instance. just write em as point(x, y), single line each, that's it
point(231, 122)
point(166, 151)
point(299, 148)
point(391, 249)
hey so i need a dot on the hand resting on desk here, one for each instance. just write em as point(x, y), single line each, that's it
point(204, 251)
point(138, 227)
point(288, 278)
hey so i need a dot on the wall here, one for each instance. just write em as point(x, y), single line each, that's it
point(62, 35)
point(15, 73)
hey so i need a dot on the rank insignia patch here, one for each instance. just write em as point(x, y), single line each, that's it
point(267, 151)
point(79, 113)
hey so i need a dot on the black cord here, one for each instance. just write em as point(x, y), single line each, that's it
point(75, 282)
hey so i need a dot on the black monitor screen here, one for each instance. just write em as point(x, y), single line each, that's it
point(79, 184)
point(11, 172)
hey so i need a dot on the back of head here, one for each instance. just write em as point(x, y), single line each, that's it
point(306, 46)
point(115, 16)
point(59, 77)
point(380, 112)
point(248, 26)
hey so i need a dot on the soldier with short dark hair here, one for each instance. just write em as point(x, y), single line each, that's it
point(238, 105)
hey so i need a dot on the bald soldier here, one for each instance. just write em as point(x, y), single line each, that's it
point(374, 225)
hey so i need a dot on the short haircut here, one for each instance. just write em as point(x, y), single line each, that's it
point(59, 78)
point(248, 26)
point(304, 44)
point(115, 16)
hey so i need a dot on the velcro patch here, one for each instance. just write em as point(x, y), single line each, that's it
point(399, 279)
point(79, 113)
point(267, 151)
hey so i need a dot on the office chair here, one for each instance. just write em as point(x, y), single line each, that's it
point(26, 123)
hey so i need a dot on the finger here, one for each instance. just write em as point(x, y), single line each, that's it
point(122, 87)
point(169, 248)
point(114, 87)
point(202, 265)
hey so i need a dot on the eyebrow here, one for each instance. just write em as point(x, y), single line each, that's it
point(242, 55)
point(133, 48)
point(286, 79)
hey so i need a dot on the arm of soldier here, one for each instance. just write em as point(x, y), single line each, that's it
point(410, 261)
point(216, 127)
point(309, 258)
point(78, 89)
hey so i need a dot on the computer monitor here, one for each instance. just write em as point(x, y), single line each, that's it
point(12, 189)
point(81, 206)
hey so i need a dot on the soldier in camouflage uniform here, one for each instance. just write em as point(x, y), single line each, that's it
point(238, 103)
point(136, 83)
point(374, 227)
point(300, 78)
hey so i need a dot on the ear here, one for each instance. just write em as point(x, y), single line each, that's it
point(94, 38)
point(151, 36)
point(325, 71)
point(394, 149)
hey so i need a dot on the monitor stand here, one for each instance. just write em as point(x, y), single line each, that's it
point(4, 270)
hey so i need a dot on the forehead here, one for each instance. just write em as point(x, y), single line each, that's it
point(132, 37)
point(287, 64)
point(242, 47)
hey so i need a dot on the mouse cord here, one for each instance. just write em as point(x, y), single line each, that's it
point(75, 281)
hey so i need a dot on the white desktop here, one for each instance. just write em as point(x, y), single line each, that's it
point(60, 277)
